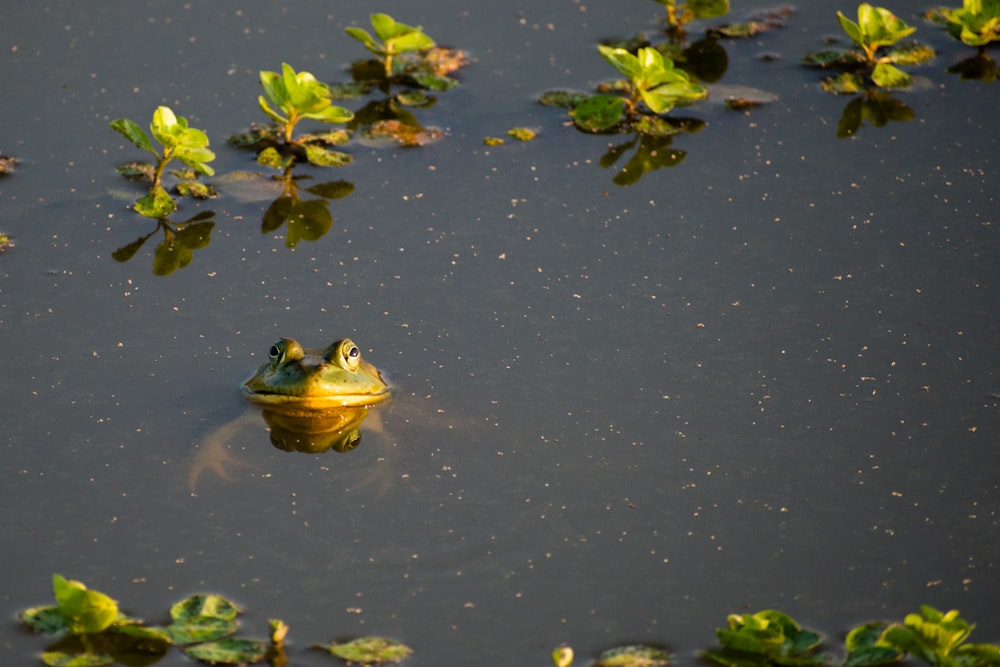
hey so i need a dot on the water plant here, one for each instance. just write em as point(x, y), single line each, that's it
point(767, 637)
point(653, 86)
point(976, 22)
point(679, 14)
point(297, 96)
point(391, 39)
point(875, 30)
point(933, 636)
point(187, 144)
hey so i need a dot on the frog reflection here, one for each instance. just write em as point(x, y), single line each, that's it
point(313, 401)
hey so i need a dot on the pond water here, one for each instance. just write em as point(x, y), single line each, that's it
point(766, 377)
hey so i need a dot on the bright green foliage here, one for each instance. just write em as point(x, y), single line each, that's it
point(937, 638)
point(391, 39)
point(768, 637)
point(369, 650)
point(876, 27)
point(653, 79)
point(864, 650)
point(678, 14)
point(298, 95)
point(977, 23)
point(84, 611)
point(187, 144)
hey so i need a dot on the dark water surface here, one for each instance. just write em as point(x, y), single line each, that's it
point(767, 377)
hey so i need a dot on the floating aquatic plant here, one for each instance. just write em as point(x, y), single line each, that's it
point(877, 34)
point(653, 86)
point(187, 144)
point(976, 22)
point(680, 14)
point(767, 637)
point(937, 638)
point(297, 96)
point(391, 39)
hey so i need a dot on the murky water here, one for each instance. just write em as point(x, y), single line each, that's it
point(767, 377)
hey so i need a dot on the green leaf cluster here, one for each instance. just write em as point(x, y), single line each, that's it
point(767, 637)
point(391, 39)
point(976, 23)
point(678, 14)
point(933, 636)
point(187, 144)
point(876, 27)
point(298, 95)
point(653, 78)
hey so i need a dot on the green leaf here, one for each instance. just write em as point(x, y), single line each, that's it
point(386, 27)
point(323, 157)
point(911, 53)
point(170, 256)
point(622, 60)
point(228, 651)
point(203, 605)
point(330, 114)
point(707, 9)
point(60, 659)
point(156, 204)
point(133, 133)
point(270, 157)
point(362, 36)
point(598, 113)
point(872, 656)
point(85, 611)
point(852, 29)
point(44, 619)
point(370, 650)
point(888, 76)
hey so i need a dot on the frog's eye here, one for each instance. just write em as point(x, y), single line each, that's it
point(286, 349)
point(345, 354)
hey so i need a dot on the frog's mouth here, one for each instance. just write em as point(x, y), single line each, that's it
point(276, 400)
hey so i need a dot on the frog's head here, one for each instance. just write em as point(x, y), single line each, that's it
point(297, 378)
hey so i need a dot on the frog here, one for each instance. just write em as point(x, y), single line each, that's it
point(298, 380)
point(312, 400)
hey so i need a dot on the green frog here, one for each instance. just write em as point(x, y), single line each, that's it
point(300, 380)
point(311, 400)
